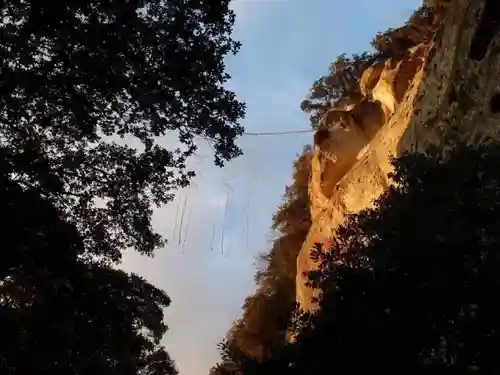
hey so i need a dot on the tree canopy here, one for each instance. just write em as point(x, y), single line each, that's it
point(79, 75)
point(61, 314)
point(340, 86)
point(411, 285)
point(101, 105)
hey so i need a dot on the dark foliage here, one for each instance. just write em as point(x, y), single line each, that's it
point(237, 362)
point(233, 360)
point(59, 314)
point(89, 92)
point(411, 285)
point(76, 76)
point(340, 86)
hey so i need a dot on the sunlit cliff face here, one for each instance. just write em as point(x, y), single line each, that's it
point(347, 173)
point(451, 84)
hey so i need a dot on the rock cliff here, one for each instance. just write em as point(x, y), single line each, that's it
point(449, 85)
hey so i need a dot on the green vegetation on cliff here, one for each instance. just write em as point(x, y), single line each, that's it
point(264, 322)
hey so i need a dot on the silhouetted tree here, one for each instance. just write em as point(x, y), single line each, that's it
point(79, 75)
point(339, 86)
point(60, 314)
point(234, 361)
point(411, 286)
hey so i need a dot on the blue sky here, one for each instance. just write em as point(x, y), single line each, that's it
point(207, 267)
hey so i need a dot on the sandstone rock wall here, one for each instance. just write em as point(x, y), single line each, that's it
point(449, 85)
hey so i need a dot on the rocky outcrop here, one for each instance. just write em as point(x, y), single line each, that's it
point(387, 83)
point(450, 85)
